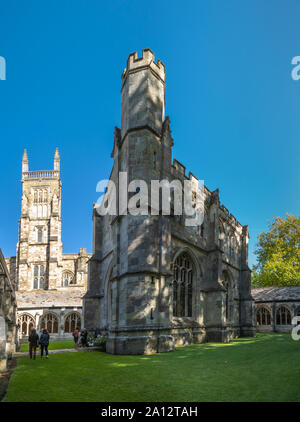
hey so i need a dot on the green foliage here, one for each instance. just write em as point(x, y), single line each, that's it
point(265, 368)
point(278, 254)
point(100, 342)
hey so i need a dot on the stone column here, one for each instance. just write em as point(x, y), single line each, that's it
point(3, 340)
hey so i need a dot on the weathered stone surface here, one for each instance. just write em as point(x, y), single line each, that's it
point(8, 314)
point(50, 298)
point(45, 278)
point(135, 257)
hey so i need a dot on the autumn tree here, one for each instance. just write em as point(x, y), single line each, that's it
point(278, 254)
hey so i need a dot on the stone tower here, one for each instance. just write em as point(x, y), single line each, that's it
point(155, 282)
point(39, 248)
point(134, 280)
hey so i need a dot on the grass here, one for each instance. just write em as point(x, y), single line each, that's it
point(53, 345)
point(266, 368)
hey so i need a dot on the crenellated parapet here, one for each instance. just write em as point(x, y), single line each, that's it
point(135, 63)
point(143, 94)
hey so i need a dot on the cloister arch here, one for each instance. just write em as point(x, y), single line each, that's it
point(25, 322)
point(72, 321)
point(50, 322)
point(283, 315)
point(263, 316)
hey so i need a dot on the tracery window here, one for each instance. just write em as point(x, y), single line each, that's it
point(283, 316)
point(39, 277)
point(26, 323)
point(40, 196)
point(72, 322)
point(263, 316)
point(50, 322)
point(183, 287)
point(67, 279)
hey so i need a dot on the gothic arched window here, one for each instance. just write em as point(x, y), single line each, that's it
point(50, 322)
point(183, 287)
point(72, 322)
point(67, 279)
point(283, 316)
point(26, 323)
point(263, 316)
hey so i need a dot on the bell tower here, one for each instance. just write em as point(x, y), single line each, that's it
point(39, 247)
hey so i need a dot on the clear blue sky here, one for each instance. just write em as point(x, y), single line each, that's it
point(233, 105)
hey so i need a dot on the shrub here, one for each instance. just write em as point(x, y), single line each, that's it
point(100, 341)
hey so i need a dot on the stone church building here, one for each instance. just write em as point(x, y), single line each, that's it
point(155, 283)
point(49, 284)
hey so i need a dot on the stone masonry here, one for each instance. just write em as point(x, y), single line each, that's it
point(275, 307)
point(60, 279)
point(154, 282)
point(8, 316)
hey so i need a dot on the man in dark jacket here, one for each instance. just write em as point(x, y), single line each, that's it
point(83, 338)
point(44, 341)
point(33, 342)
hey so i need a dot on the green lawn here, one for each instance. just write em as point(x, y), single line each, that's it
point(53, 345)
point(266, 368)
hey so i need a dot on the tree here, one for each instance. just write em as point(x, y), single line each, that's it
point(278, 254)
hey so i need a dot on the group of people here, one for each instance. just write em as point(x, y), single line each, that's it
point(38, 340)
point(43, 338)
point(82, 338)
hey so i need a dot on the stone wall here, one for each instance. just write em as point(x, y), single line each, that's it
point(275, 308)
point(131, 272)
point(8, 308)
point(46, 279)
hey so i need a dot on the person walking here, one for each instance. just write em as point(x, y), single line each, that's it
point(33, 342)
point(76, 337)
point(83, 338)
point(44, 342)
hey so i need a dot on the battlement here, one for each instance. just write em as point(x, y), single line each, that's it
point(180, 168)
point(41, 174)
point(135, 63)
point(231, 218)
